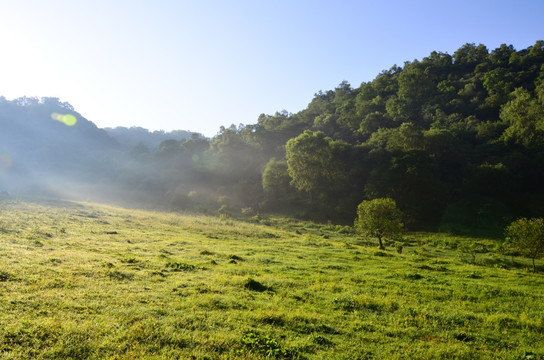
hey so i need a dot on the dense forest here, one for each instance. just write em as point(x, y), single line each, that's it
point(456, 140)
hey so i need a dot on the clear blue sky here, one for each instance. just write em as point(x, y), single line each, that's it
point(197, 65)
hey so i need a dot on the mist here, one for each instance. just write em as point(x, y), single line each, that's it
point(450, 147)
point(50, 150)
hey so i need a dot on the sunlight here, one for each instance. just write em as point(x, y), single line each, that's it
point(68, 119)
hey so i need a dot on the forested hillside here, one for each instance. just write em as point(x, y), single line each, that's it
point(45, 142)
point(457, 140)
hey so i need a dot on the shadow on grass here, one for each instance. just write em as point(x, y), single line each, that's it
point(254, 285)
point(512, 264)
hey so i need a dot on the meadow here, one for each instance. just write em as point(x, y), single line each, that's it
point(88, 281)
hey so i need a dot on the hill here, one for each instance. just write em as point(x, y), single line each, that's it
point(86, 281)
point(456, 140)
point(44, 141)
point(48, 148)
point(132, 136)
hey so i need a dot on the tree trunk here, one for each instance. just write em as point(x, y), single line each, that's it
point(534, 267)
point(381, 243)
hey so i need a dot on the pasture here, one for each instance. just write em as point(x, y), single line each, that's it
point(88, 281)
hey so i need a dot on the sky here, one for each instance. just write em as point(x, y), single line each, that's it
point(199, 65)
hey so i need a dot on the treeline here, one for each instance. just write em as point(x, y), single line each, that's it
point(456, 140)
point(135, 136)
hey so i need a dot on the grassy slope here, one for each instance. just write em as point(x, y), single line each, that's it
point(170, 286)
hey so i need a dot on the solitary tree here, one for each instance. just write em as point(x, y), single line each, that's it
point(527, 237)
point(379, 218)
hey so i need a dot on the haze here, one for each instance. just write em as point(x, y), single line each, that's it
point(199, 65)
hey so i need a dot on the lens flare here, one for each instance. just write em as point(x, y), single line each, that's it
point(68, 119)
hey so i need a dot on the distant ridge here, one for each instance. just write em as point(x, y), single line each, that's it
point(151, 139)
point(32, 135)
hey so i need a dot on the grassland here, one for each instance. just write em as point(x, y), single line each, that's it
point(85, 281)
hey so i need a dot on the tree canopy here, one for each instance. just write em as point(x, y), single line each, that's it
point(379, 218)
point(430, 134)
point(527, 237)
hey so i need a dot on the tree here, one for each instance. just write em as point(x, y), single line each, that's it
point(309, 160)
point(379, 218)
point(470, 54)
point(525, 116)
point(276, 179)
point(527, 237)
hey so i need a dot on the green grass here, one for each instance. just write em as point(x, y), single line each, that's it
point(85, 281)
